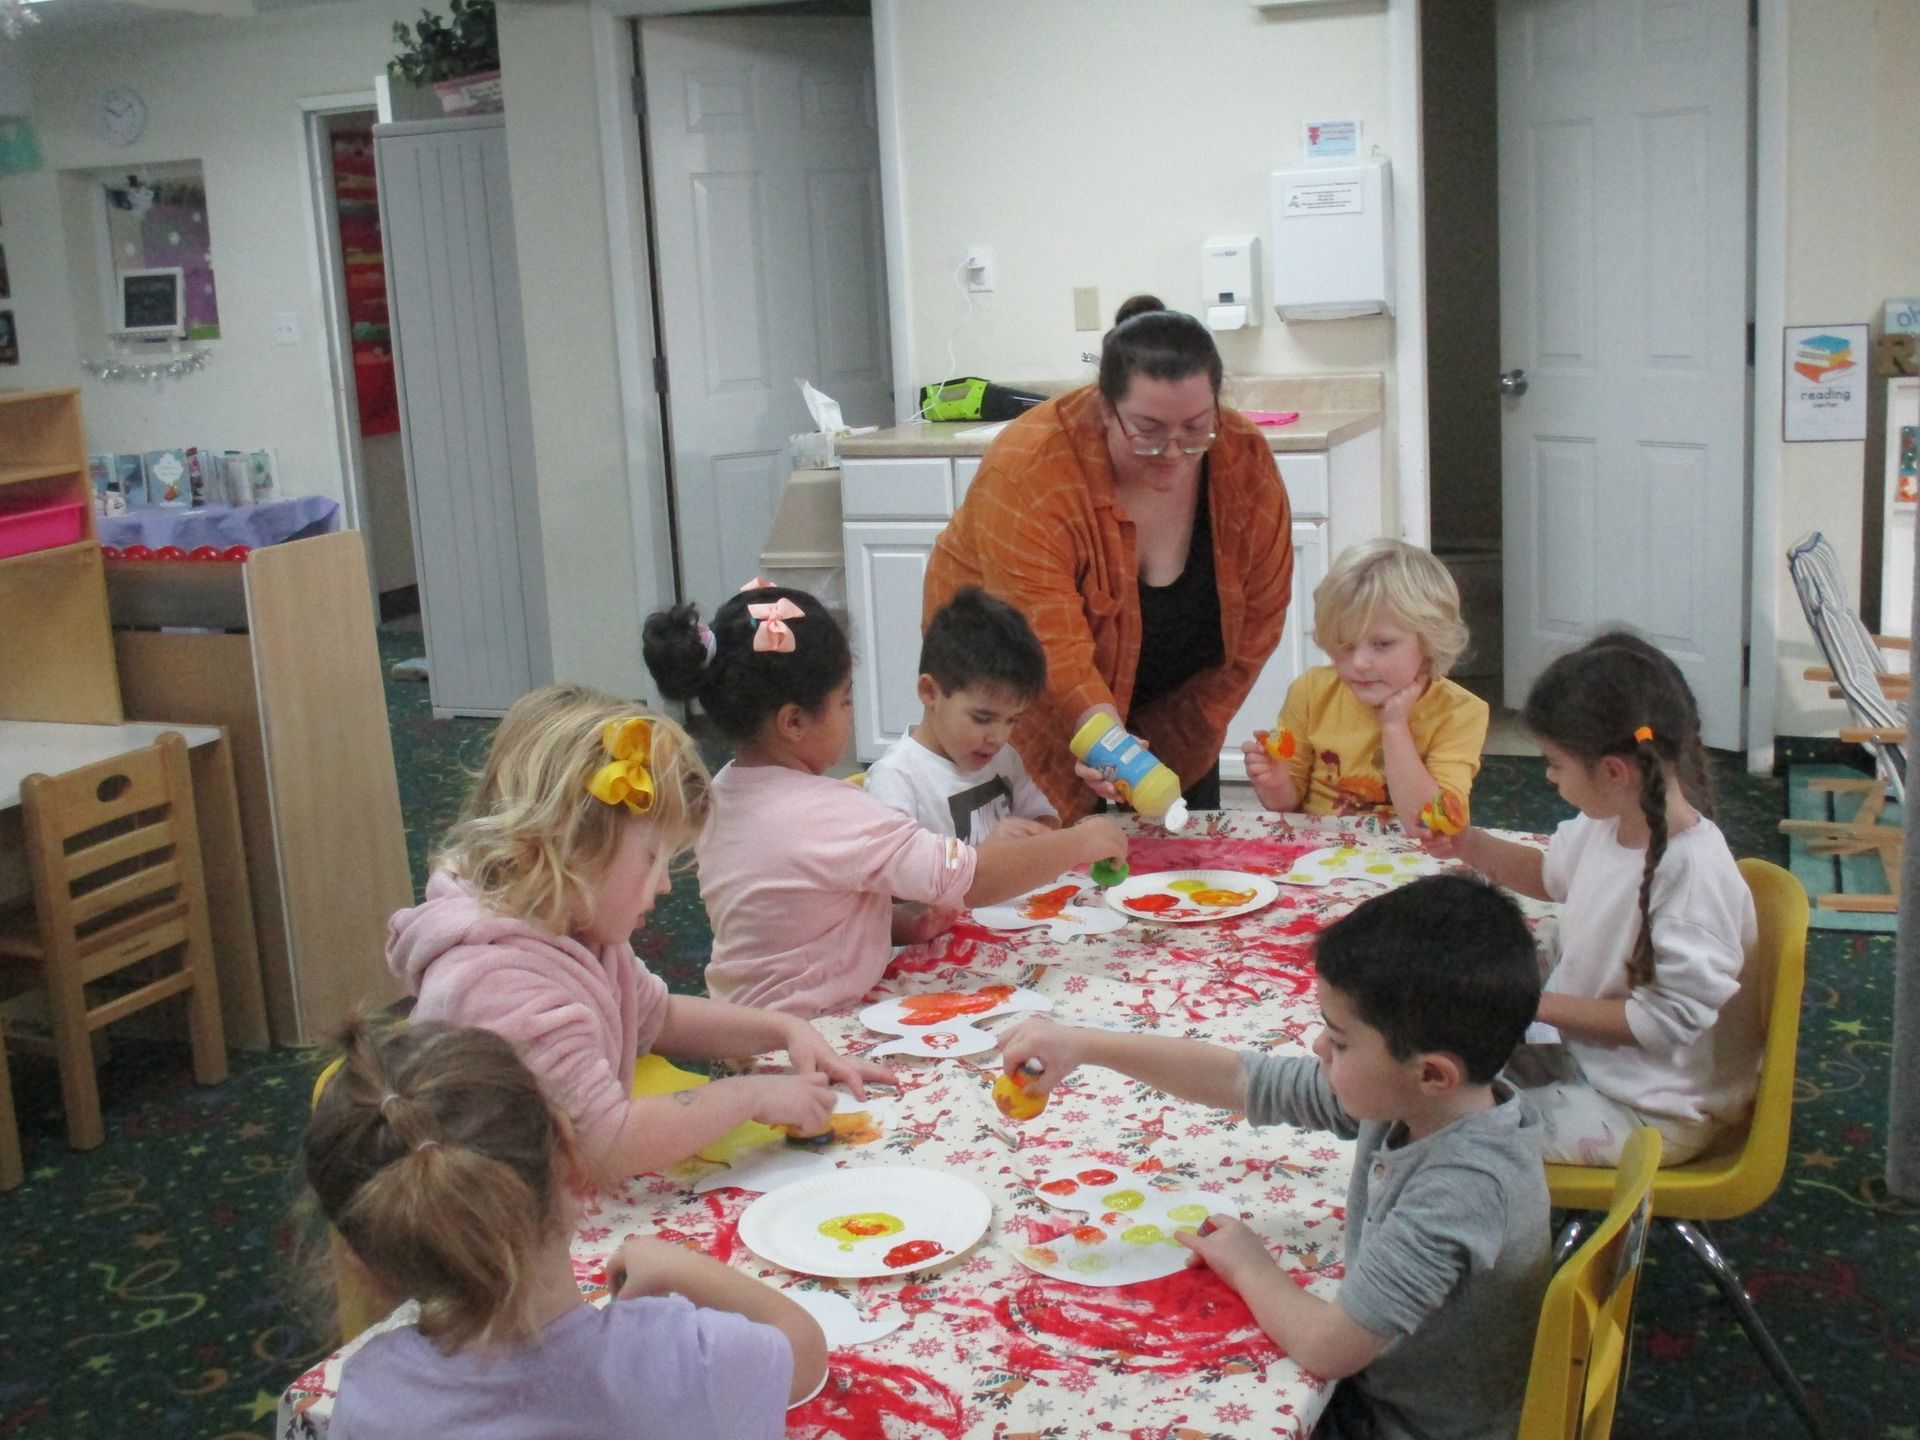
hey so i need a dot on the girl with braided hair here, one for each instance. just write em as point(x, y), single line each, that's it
point(1655, 1027)
point(435, 1154)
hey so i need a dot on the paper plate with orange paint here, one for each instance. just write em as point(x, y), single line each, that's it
point(867, 1220)
point(1122, 1226)
point(1191, 897)
point(1056, 906)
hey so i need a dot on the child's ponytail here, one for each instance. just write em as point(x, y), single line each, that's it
point(433, 1153)
point(1619, 695)
point(769, 646)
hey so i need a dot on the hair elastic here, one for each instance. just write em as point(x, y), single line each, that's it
point(425, 1145)
point(386, 1100)
point(707, 642)
point(1644, 735)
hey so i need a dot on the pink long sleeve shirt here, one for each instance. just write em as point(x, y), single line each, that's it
point(580, 1016)
point(798, 873)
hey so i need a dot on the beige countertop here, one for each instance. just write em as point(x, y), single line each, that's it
point(1332, 408)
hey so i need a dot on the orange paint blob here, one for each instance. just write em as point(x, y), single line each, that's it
point(1048, 904)
point(1066, 1187)
point(1221, 899)
point(1152, 904)
point(1095, 1177)
point(944, 1005)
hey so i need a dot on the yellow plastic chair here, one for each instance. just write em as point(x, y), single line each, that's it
point(1733, 1182)
point(1586, 1321)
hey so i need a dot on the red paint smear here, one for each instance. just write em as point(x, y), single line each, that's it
point(878, 1401)
point(912, 1252)
point(1060, 1187)
point(1096, 1177)
point(1187, 1321)
point(945, 1005)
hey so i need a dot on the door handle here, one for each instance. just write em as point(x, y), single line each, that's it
point(1514, 382)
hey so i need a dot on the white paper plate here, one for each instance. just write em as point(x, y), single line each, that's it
point(1063, 922)
point(1122, 1243)
point(910, 1203)
point(1372, 864)
point(1160, 882)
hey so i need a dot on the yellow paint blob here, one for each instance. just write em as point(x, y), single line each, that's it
point(1188, 1212)
point(1089, 1264)
point(1186, 887)
point(869, 1225)
point(1143, 1235)
point(1123, 1200)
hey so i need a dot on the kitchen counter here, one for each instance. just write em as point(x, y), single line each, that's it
point(1333, 409)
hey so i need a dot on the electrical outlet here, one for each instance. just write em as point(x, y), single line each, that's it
point(979, 268)
point(286, 328)
point(1086, 307)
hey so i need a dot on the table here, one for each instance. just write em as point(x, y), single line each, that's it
point(992, 1350)
point(30, 747)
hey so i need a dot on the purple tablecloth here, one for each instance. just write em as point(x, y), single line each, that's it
point(219, 526)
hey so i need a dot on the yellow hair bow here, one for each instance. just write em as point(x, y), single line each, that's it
point(625, 779)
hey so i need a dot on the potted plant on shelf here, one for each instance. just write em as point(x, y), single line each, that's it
point(458, 57)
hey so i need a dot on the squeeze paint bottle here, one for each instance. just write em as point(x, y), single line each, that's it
point(1103, 743)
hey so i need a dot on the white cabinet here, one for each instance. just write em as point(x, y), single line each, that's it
point(886, 574)
point(1898, 505)
point(894, 509)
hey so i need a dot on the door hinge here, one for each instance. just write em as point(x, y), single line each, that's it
point(1750, 342)
point(659, 374)
point(639, 93)
point(1746, 664)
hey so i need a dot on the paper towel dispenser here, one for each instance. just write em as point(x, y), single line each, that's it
point(1332, 249)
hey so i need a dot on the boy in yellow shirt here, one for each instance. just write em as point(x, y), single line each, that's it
point(1381, 730)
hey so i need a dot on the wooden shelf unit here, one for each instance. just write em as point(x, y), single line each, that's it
point(56, 649)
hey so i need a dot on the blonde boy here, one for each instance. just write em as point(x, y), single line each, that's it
point(1381, 730)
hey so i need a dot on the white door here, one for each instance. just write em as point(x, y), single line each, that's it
point(766, 186)
point(1623, 295)
point(886, 576)
point(1295, 654)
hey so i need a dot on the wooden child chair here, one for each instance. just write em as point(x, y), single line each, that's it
point(1586, 1319)
point(1876, 699)
point(115, 858)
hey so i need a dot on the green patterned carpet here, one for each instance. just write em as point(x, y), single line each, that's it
point(147, 1288)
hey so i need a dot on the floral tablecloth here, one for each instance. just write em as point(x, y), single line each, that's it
point(991, 1349)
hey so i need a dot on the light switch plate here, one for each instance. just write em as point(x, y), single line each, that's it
point(1086, 307)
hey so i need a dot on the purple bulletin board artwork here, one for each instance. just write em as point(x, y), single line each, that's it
point(157, 223)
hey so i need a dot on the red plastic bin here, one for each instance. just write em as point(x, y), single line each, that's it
point(45, 527)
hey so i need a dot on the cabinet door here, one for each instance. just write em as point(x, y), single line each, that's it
point(886, 572)
point(1295, 653)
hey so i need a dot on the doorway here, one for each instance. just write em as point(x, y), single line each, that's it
point(760, 151)
point(1589, 285)
point(360, 352)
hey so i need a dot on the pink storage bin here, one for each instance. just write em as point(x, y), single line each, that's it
point(45, 527)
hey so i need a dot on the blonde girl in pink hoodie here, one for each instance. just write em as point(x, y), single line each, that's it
point(526, 931)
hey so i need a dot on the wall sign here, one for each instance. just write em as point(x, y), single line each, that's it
point(1824, 396)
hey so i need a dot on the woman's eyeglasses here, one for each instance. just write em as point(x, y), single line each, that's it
point(1151, 441)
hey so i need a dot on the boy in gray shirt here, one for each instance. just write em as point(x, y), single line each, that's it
point(1425, 991)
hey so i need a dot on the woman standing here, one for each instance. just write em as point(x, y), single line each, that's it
point(1144, 532)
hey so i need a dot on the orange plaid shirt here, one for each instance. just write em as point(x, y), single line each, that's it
point(1040, 529)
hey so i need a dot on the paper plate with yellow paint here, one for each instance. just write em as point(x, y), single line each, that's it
point(1369, 864)
point(867, 1220)
point(1191, 897)
point(1122, 1225)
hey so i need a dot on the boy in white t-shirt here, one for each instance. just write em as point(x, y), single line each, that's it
point(980, 667)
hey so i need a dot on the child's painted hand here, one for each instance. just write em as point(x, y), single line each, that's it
point(1018, 827)
point(1102, 838)
point(812, 1057)
point(914, 923)
point(1232, 1251)
point(1445, 847)
point(1259, 763)
point(1059, 1049)
point(803, 1101)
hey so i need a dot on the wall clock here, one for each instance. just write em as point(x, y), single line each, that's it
point(120, 115)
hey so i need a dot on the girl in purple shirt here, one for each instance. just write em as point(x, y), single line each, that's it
point(435, 1155)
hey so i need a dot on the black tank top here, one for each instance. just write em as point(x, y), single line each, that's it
point(1180, 622)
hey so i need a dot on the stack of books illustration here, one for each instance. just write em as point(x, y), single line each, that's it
point(1822, 356)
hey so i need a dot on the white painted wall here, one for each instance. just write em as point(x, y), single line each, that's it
point(1851, 243)
point(1099, 142)
point(225, 93)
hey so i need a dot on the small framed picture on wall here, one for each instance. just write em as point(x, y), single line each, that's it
point(9, 343)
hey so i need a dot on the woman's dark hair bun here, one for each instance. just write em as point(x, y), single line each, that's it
point(1137, 305)
point(671, 645)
